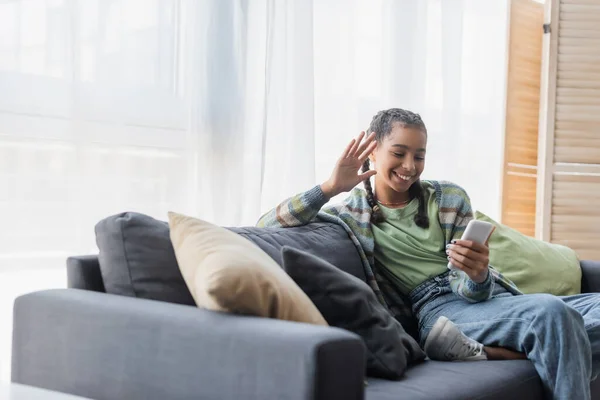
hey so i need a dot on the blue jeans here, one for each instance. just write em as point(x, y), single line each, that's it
point(560, 335)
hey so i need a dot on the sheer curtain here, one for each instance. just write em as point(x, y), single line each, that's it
point(222, 108)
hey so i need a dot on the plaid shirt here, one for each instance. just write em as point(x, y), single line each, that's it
point(354, 214)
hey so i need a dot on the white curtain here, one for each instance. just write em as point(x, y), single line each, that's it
point(222, 108)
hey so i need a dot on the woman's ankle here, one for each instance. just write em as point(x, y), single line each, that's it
point(501, 353)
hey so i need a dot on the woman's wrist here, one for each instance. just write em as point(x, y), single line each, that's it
point(482, 277)
point(328, 190)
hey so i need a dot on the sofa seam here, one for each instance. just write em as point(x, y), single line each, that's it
point(121, 222)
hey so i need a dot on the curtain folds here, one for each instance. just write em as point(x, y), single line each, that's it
point(221, 109)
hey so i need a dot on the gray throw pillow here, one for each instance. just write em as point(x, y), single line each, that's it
point(347, 302)
point(137, 259)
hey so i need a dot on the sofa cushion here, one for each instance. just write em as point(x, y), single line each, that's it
point(137, 259)
point(226, 272)
point(486, 380)
point(349, 303)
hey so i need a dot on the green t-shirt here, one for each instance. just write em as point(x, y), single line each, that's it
point(408, 254)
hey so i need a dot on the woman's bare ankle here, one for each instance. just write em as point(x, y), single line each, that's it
point(501, 353)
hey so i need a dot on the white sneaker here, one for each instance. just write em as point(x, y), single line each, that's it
point(447, 343)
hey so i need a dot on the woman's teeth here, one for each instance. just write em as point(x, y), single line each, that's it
point(403, 177)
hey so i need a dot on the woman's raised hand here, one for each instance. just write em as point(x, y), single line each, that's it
point(345, 175)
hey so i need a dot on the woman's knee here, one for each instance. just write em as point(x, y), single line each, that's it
point(553, 308)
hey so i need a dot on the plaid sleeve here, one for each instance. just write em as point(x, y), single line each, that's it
point(470, 290)
point(464, 212)
point(295, 211)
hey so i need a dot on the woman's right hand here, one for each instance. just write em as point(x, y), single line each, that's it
point(345, 175)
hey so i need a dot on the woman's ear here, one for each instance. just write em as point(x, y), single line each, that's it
point(372, 157)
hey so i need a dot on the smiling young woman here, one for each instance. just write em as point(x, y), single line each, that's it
point(407, 230)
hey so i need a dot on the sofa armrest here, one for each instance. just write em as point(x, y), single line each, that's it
point(590, 276)
point(113, 347)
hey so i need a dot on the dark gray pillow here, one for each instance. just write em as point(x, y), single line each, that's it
point(349, 303)
point(137, 259)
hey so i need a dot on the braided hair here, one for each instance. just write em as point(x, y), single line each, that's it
point(382, 124)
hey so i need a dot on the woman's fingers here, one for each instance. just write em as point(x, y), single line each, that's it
point(367, 151)
point(467, 252)
point(473, 263)
point(359, 148)
point(367, 175)
point(477, 247)
point(366, 143)
point(348, 148)
point(357, 142)
point(462, 260)
point(459, 265)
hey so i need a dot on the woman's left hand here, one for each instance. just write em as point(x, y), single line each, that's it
point(471, 257)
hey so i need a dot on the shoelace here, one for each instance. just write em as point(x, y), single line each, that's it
point(472, 347)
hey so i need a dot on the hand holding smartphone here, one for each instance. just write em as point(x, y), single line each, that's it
point(476, 231)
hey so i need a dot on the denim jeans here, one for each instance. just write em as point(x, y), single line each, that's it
point(560, 335)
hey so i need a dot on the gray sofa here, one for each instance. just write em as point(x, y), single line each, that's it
point(86, 342)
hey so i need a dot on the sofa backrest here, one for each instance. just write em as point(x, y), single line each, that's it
point(137, 258)
point(322, 239)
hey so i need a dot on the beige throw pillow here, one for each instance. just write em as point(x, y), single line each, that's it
point(226, 272)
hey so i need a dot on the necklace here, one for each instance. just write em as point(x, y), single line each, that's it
point(395, 204)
